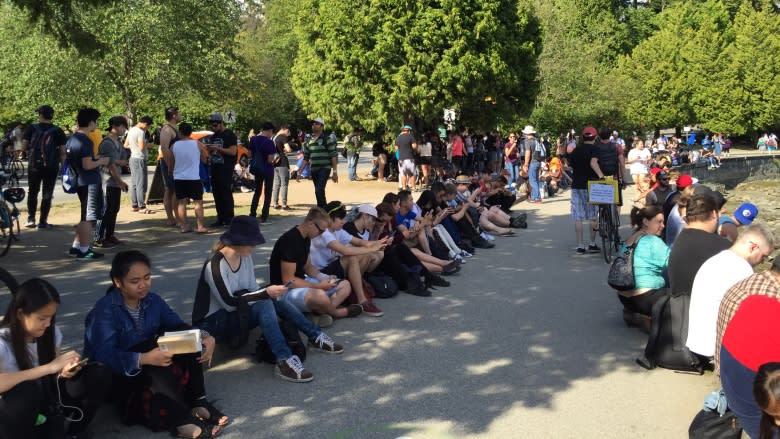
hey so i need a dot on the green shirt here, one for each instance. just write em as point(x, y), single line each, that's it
point(319, 152)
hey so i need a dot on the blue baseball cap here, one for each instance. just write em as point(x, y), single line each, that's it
point(746, 213)
point(408, 127)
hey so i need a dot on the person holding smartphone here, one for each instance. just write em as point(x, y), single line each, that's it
point(237, 276)
point(33, 371)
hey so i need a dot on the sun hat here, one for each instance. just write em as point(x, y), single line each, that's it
point(319, 121)
point(685, 180)
point(243, 231)
point(746, 213)
point(216, 117)
point(529, 129)
point(369, 209)
point(463, 179)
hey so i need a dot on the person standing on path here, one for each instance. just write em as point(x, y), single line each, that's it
point(136, 142)
point(169, 134)
point(187, 156)
point(281, 170)
point(223, 148)
point(353, 145)
point(535, 154)
point(263, 154)
point(46, 144)
point(320, 152)
point(113, 184)
point(406, 145)
point(583, 213)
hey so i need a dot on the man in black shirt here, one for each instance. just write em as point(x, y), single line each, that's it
point(695, 244)
point(223, 148)
point(608, 161)
point(282, 169)
point(309, 289)
point(45, 146)
point(583, 213)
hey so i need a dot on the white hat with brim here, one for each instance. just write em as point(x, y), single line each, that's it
point(529, 129)
point(368, 209)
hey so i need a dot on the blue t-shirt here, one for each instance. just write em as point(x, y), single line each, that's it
point(79, 146)
point(262, 147)
point(651, 256)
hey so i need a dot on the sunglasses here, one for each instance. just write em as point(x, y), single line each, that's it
point(319, 229)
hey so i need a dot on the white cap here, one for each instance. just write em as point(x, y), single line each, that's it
point(369, 209)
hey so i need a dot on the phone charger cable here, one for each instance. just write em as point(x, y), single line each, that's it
point(79, 413)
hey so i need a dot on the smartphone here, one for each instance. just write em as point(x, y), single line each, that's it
point(81, 363)
point(287, 285)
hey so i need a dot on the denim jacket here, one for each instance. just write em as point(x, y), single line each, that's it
point(111, 332)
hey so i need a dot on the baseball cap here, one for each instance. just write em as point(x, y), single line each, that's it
point(589, 132)
point(746, 213)
point(45, 111)
point(369, 209)
point(216, 117)
point(319, 121)
point(685, 180)
point(408, 127)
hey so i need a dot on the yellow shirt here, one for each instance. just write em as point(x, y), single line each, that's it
point(96, 137)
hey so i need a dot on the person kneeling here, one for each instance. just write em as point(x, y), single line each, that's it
point(235, 277)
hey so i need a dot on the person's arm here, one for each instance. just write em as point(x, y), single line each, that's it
point(204, 153)
point(334, 159)
point(594, 164)
point(102, 335)
point(358, 247)
point(326, 282)
point(89, 163)
point(166, 136)
point(459, 212)
point(9, 380)
point(141, 143)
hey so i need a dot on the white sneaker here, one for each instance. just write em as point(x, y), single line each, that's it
point(465, 254)
point(487, 236)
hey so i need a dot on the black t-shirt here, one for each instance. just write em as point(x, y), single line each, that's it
point(608, 158)
point(224, 139)
point(690, 250)
point(350, 228)
point(657, 196)
point(404, 142)
point(279, 142)
point(490, 143)
point(59, 139)
point(290, 247)
point(580, 164)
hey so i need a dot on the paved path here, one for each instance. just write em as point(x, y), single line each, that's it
point(527, 343)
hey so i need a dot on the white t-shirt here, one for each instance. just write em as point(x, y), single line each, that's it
point(712, 281)
point(425, 149)
point(186, 165)
point(321, 255)
point(639, 167)
point(7, 358)
point(133, 135)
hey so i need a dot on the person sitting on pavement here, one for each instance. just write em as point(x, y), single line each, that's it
point(310, 290)
point(467, 228)
point(336, 252)
point(410, 223)
point(33, 370)
point(493, 219)
point(715, 277)
point(237, 276)
point(121, 332)
point(650, 258)
point(728, 225)
point(434, 230)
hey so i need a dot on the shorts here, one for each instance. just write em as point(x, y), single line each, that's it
point(406, 167)
point(580, 209)
point(192, 189)
point(167, 178)
point(426, 160)
point(91, 200)
point(297, 296)
point(334, 268)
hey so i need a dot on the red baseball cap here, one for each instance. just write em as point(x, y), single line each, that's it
point(655, 171)
point(684, 181)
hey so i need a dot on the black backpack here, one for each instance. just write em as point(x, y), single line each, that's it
point(668, 334)
point(43, 153)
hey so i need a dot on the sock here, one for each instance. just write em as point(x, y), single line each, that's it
point(76, 244)
point(83, 249)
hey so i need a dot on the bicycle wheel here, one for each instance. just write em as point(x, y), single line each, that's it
point(606, 241)
point(6, 229)
point(604, 233)
point(17, 169)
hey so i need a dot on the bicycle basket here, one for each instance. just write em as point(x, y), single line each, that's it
point(14, 194)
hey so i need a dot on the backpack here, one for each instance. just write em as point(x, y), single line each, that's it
point(621, 272)
point(668, 334)
point(384, 286)
point(70, 173)
point(539, 152)
point(43, 153)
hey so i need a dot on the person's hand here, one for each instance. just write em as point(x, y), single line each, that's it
point(123, 186)
point(208, 350)
point(276, 290)
point(335, 177)
point(156, 357)
point(63, 361)
point(120, 162)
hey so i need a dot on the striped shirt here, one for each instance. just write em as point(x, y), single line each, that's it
point(760, 284)
point(137, 316)
point(319, 152)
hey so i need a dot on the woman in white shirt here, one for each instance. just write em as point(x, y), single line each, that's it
point(639, 158)
point(188, 154)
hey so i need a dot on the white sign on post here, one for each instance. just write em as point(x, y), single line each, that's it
point(601, 193)
point(230, 116)
point(449, 115)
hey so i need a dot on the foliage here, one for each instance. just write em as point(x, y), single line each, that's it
point(383, 62)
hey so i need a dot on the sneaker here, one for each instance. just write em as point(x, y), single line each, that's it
point(286, 208)
point(292, 370)
point(321, 320)
point(326, 344)
point(437, 281)
point(88, 255)
point(593, 248)
point(30, 223)
point(354, 310)
point(581, 250)
point(465, 254)
point(73, 251)
point(487, 236)
point(371, 309)
point(44, 226)
point(104, 243)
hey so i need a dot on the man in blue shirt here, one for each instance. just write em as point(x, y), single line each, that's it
point(79, 150)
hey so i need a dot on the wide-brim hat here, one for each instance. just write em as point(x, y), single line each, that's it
point(529, 129)
point(463, 179)
point(243, 231)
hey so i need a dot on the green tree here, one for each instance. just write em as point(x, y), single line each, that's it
point(385, 62)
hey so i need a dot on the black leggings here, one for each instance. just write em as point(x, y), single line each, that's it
point(20, 406)
point(165, 388)
point(642, 303)
point(396, 256)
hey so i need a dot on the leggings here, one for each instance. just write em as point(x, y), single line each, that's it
point(446, 239)
point(107, 224)
point(642, 303)
point(20, 406)
point(396, 257)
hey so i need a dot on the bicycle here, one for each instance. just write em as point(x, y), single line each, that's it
point(13, 165)
point(609, 230)
point(9, 215)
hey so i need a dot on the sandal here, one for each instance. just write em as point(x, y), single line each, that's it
point(146, 211)
point(206, 431)
point(204, 231)
point(215, 416)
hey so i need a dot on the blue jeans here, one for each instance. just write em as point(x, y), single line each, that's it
point(320, 178)
point(511, 168)
point(263, 313)
point(352, 162)
point(533, 179)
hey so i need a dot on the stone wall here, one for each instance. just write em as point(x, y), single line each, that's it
point(736, 170)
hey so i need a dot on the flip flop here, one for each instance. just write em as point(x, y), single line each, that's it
point(146, 211)
point(187, 230)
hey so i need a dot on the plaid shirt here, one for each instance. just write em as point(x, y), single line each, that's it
point(760, 284)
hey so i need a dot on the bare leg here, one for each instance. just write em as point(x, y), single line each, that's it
point(488, 225)
point(351, 266)
point(374, 260)
point(426, 173)
point(578, 232)
point(318, 300)
point(425, 257)
point(498, 217)
point(199, 215)
point(182, 214)
point(422, 238)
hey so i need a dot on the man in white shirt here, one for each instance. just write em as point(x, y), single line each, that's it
point(715, 277)
point(137, 144)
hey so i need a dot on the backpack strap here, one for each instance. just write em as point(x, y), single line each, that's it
point(241, 304)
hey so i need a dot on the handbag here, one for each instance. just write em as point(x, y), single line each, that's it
point(621, 272)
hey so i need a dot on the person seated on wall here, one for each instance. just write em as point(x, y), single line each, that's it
point(651, 256)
